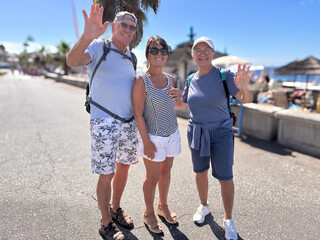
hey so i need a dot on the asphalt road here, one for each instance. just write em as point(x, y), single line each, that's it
point(47, 190)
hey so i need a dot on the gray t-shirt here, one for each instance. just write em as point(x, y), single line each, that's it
point(112, 83)
point(206, 97)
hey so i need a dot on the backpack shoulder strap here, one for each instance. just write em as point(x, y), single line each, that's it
point(134, 60)
point(125, 56)
point(106, 50)
point(223, 74)
point(223, 78)
point(189, 79)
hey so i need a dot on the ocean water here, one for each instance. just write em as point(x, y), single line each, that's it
point(288, 78)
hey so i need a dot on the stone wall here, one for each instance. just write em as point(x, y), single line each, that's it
point(299, 130)
point(258, 120)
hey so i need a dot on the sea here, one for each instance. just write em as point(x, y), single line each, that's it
point(272, 73)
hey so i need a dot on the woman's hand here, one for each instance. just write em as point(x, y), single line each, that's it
point(243, 78)
point(149, 149)
point(174, 93)
point(242, 81)
point(93, 25)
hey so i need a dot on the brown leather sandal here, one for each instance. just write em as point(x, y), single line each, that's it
point(122, 218)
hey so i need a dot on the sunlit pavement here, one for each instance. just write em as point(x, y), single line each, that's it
point(48, 191)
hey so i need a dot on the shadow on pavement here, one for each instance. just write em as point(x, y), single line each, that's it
point(270, 146)
point(127, 233)
point(217, 230)
point(175, 232)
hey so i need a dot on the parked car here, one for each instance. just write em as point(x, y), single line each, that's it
point(4, 68)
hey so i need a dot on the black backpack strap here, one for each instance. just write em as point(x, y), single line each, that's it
point(125, 56)
point(124, 120)
point(223, 78)
point(106, 50)
point(134, 60)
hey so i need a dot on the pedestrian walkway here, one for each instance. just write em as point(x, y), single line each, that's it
point(48, 191)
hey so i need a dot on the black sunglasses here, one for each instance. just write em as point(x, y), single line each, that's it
point(131, 27)
point(155, 51)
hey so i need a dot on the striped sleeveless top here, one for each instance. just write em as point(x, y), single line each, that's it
point(159, 113)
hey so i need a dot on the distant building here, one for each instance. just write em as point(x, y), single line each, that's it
point(181, 63)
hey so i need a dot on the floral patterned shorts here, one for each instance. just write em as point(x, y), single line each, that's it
point(112, 141)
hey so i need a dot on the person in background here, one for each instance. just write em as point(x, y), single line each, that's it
point(114, 134)
point(210, 134)
point(154, 98)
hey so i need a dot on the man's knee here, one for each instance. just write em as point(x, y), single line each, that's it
point(105, 179)
point(122, 167)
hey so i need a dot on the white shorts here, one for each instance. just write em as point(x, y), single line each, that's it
point(166, 146)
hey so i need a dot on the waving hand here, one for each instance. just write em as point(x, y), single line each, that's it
point(93, 24)
point(243, 78)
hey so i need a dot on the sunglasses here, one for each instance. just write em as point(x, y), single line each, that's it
point(155, 51)
point(125, 26)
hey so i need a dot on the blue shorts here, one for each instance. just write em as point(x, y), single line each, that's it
point(221, 150)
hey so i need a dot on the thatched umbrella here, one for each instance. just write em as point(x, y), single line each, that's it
point(308, 66)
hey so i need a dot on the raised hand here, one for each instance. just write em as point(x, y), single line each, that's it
point(93, 25)
point(243, 78)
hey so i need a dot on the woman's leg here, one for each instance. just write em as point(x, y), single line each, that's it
point(153, 170)
point(164, 181)
point(164, 184)
point(202, 186)
point(227, 192)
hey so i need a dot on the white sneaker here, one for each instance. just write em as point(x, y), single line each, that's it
point(201, 213)
point(230, 229)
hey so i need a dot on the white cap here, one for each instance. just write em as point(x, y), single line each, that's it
point(205, 40)
point(122, 16)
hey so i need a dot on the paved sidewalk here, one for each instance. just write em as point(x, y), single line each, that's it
point(48, 191)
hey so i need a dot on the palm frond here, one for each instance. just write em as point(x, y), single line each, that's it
point(137, 7)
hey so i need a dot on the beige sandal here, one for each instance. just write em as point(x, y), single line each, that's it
point(172, 214)
point(154, 227)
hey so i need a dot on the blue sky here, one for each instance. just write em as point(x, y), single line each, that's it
point(266, 32)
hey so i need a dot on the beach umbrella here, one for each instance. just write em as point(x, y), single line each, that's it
point(308, 66)
point(229, 60)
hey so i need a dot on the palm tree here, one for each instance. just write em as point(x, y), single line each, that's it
point(61, 56)
point(111, 7)
point(26, 43)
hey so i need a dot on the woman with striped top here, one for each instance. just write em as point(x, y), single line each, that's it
point(154, 98)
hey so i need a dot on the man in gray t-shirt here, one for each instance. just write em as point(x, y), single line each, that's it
point(114, 136)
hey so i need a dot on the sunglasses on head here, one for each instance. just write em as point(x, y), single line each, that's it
point(155, 51)
point(131, 27)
